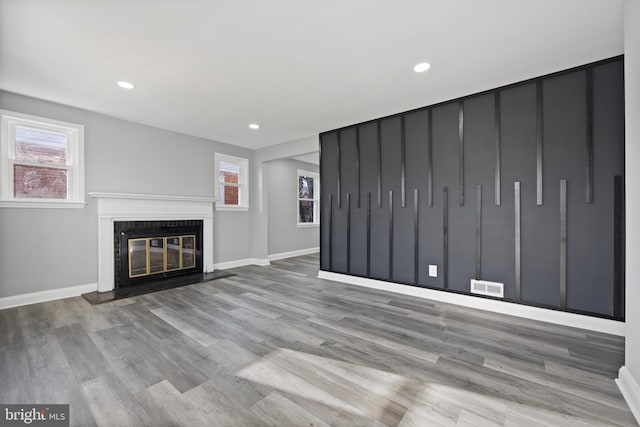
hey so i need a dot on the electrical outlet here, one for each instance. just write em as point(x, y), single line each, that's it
point(433, 270)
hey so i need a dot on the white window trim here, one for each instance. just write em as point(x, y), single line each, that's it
point(316, 199)
point(75, 159)
point(243, 182)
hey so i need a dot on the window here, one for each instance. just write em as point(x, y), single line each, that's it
point(232, 189)
point(41, 162)
point(308, 198)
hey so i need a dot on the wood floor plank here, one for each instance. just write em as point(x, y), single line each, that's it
point(176, 409)
point(276, 410)
point(84, 358)
point(107, 408)
point(15, 376)
point(331, 415)
point(125, 359)
point(193, 332)
point(424, 354)
point(227, 399)
point(276, 330)
point(10, 328)
point(593, 391)
point(275, 345)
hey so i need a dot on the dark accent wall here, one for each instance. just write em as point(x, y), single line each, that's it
point(520, 185)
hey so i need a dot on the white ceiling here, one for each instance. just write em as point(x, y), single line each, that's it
point(297, 67)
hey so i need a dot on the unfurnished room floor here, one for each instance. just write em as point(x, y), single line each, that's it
point(277, 346)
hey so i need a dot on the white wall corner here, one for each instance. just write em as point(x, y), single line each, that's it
point(630, 390)
point(48, 295)
point(291, 254)
point(573, 320)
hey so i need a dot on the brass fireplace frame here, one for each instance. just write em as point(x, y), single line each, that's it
point(182, 250)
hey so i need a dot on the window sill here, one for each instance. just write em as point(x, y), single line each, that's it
point(41, 204)
point(308, 225)
point(232, 208)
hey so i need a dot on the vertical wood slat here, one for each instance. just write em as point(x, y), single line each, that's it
point(445, 236)
point(339, 190)
point(478, 232)
point(368, 234)
point(563, 243)
point(416, 239)
point(497, 149)
point(390, 234)
point(330, 232)
point(379, 148)
point(358, 166)
point(517, 239)
point(348, 232)
point(618, 242)
point(461, 151)
point(539, 141)
point(589, 141)
point(430, 160)
point(403, 198)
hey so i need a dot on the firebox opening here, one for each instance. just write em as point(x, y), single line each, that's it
point(150, 250)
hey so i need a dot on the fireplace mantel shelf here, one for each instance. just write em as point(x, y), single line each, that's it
point(98, 195)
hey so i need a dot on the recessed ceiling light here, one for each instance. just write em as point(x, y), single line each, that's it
point(126, 85)
point(254, 126)
point(421, 67)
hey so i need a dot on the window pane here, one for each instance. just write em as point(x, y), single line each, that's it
point(229, 172)
point(305, 214)
point(40, 146)
point(173, 253)
point(37, 182)
point(230, 195)
point(137, 257)
point(156, 255)
point(305, 187)
point(188, 252)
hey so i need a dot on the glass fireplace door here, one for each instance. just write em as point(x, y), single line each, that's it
point(154, 255)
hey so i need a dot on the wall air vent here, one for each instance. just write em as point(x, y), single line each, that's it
point(485, 287)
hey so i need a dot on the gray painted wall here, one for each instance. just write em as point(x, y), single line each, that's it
point(284, 233)
point(260, 196)
point(42, 249)
point(350, 162)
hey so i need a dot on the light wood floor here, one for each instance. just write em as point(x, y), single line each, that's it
point(277, 346)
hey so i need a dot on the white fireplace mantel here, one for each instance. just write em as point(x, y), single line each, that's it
point(146, 207)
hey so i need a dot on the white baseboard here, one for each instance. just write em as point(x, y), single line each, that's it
point(630, 390)
point(74, 291)
point(241, 263)
point(607, 326)
point(49, 295)
point(291, 254)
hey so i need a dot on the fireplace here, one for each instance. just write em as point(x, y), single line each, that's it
point(145, 251)
point(153, 222)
